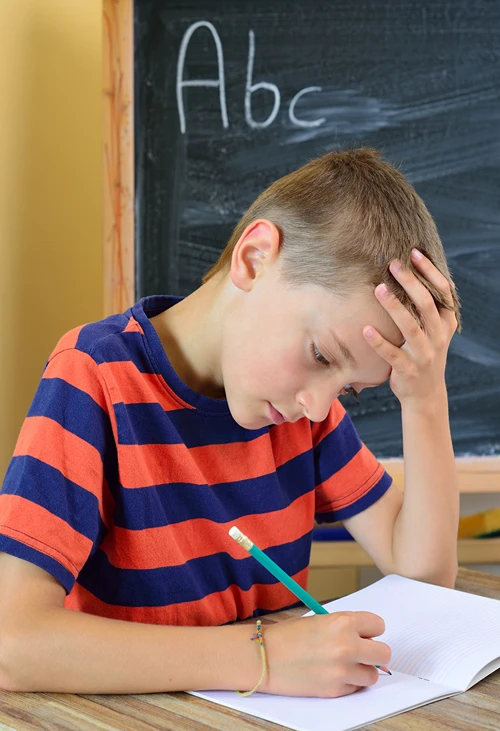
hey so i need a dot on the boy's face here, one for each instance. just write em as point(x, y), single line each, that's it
point(282, 350)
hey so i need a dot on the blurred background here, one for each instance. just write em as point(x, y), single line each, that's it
point(51, 189)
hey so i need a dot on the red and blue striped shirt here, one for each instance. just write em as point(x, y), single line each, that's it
point(124, 483)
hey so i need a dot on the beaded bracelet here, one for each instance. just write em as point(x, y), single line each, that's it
point(257, 636)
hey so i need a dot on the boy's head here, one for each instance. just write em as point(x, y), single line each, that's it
point(342, 219)
point(324, 237)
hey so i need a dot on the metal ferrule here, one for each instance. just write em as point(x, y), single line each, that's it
point(244, 541)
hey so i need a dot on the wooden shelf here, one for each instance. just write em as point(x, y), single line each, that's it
point(475, 474)
point(343, 554)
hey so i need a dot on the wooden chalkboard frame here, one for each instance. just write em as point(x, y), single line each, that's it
point(476, 475)
point(118, 88)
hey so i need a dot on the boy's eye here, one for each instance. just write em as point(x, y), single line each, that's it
point(350, 390)
point(318, 357)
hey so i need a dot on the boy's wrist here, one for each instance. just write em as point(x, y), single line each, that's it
point(431, 405)
point(238, 663)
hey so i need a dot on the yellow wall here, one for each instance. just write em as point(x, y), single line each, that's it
point(51, 200)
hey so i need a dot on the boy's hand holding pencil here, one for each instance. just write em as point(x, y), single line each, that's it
point(327, 656)
point(322, 656)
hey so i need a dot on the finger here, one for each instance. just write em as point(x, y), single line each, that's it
point(419, 294)
point(433, 275)
point(349, 689)
point(361, 675)
point(432, 313)
point(396, 357)
point(365, 624)
point(405, 321)
point(373, 652)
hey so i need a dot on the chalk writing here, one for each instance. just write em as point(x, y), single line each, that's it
point(250, 87)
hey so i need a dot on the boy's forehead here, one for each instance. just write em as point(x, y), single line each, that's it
point(345, 317)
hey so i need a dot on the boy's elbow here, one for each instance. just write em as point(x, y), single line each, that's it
point(8, 656)
point(16, 661)
point(445, 577)
point(449, 579)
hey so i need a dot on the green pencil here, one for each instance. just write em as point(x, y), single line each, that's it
point(276, 571)
point(282, 576)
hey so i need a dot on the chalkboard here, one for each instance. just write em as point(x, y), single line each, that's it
point(230, 96)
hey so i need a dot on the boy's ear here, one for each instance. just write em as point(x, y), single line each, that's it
point(257, 247)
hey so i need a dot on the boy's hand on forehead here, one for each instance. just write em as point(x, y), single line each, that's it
point(418, 366)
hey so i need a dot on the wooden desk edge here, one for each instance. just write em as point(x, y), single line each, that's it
point(173, 710)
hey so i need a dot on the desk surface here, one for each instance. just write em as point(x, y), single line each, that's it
point(478, 708)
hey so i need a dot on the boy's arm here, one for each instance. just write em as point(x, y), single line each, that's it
point(416, 535)
point(45, 647)
point(424, 533)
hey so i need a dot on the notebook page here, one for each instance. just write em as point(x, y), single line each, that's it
point(391, 695)
point(439, 634)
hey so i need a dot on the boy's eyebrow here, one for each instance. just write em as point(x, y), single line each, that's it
point(344, 350)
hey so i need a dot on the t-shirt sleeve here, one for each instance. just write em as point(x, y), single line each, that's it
point(55, 499)
point(348, 477)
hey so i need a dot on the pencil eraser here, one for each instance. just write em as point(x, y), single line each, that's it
point(235, 532)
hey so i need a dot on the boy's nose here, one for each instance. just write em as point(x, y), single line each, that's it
point(319, 412)
point(316, 406)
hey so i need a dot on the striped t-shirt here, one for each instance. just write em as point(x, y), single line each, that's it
point(124, 483)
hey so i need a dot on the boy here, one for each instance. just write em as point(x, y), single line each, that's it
point(153, 431)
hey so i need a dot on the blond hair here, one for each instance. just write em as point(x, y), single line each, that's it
point(342, 218)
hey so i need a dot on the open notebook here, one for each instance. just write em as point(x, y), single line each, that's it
point(443, 641)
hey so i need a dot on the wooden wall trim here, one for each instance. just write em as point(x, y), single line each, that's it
point(118, 140)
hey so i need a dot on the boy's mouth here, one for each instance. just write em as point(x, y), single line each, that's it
point(276, 416)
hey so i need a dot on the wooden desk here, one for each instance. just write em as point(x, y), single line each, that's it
point(479, 708)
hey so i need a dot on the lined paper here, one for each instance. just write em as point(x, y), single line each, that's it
point(442, 642)
point(391, 695)
point(438, 634)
